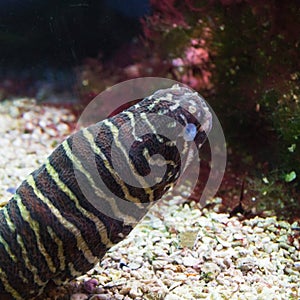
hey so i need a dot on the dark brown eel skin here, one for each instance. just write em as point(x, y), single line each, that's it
point(70, 211)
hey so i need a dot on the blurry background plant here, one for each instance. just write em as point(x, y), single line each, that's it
point(241, 55)
point(244, 57)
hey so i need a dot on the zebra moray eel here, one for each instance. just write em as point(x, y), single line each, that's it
point(51, 231)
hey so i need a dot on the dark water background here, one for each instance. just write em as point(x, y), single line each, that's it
point(42, 41)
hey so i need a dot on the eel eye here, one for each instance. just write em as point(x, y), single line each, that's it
point(190, 132)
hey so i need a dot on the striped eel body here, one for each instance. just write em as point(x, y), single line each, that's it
point(69, 212)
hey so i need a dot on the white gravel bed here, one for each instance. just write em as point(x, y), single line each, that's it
point(178, 251)
point(28, 134)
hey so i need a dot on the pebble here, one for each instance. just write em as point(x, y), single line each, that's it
point(79, 297)
point(134, 265)
point(90, 285)
point(101, 297)
point(135, 291)
point(297, 265)
point(190, 261)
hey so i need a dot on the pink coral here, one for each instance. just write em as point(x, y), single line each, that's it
point(196, 56)
point(197, 81)
point(193, 68)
